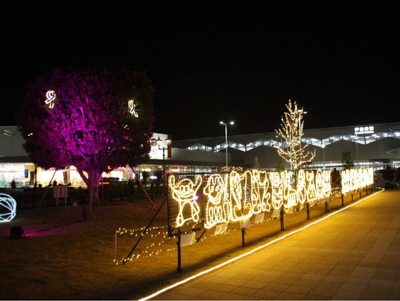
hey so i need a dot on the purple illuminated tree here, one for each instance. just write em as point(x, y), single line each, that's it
point(90, 118)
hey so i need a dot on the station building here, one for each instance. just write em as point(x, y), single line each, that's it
point(375, 145)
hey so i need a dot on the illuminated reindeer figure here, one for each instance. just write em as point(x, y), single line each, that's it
point(185, 194)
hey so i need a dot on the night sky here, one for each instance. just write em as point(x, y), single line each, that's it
point(218, 60)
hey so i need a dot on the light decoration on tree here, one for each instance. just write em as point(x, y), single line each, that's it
point(50, 98)
point(132, 108)
point(88, 101)
point(291, 131)
point(236, 197)
point(10, 206)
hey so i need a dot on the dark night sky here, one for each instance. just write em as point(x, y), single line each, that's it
point(218, 60)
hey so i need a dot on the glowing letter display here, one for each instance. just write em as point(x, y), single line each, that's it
point(226, 198)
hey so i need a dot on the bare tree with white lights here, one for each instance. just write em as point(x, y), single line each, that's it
point(292, 131)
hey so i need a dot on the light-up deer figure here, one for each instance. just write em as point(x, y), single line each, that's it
point(185, 194)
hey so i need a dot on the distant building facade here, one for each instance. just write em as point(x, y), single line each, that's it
point(16, 165)
point(372, 145)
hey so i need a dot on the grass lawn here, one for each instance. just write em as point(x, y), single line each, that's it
point(64, 256)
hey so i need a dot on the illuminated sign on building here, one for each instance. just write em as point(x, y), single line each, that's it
point(361, 130)
point(156, 150)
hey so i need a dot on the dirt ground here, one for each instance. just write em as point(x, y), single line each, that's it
point(64, 256)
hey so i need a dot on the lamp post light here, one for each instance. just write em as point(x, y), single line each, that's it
point(281, 146)
point(304, 113)
point(168, 142)
point(226, 138)
point(11, 146)
point(357, 148)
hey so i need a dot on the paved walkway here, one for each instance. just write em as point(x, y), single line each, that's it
point(354, 254)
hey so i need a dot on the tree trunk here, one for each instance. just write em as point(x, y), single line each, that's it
point(141, 185)
point(92, 183)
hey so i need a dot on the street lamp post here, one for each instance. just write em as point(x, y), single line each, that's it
point(11, 146)
point(168, 142)
point(226, 138)
point(304, 113)
point(357, 147)
point(281, 146)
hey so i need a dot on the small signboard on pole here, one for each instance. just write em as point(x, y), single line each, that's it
point(60, 192)
point(258, 218)
point(220, 229)
point(188, 239)
point(276, 213)
point(244, 223)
